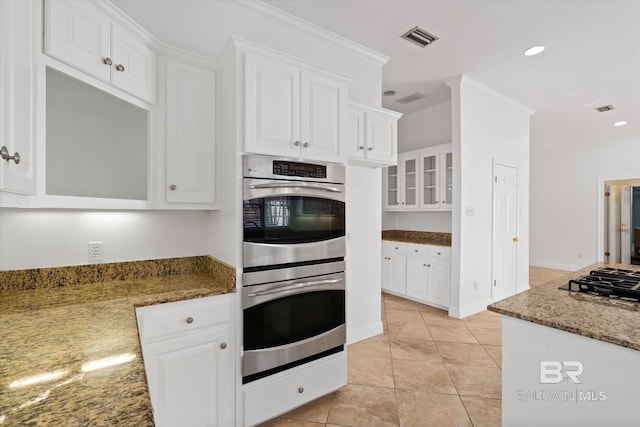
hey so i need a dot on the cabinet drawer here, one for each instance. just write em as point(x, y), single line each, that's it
point(162, 320)
point(391, 246)
point(413, 249)
point(274, 397)
point(440, 252)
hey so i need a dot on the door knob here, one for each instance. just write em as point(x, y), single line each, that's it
point(515, 239)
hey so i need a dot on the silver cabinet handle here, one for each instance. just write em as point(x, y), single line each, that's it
point(189, 320)
point(172, 187)
point(107, 61)
point(297, 143)
point(223, 345)
point(120, 67)
point(300, 390)
point(296, 185)
point(305, 145)
point(294, 286)
point(4, 153)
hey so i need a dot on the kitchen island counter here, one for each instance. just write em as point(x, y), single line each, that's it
point(70, 354)
point(592, 316)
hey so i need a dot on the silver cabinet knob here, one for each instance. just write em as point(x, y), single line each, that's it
point(424, 265)
point(439, 253)
point(297, 143)
point(172, 187)
point(4, 153)
point(361, 147)
point(300, 390)
point(120, 67)
point(370, 148)
point(107, 61)
point(428, 265)
point(189, 320)
point(305, 145)
point(223, 345)
point(416, 250)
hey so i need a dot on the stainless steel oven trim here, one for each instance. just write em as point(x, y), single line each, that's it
point(261, 166)
point(255, 188)
point(265, 254)
point(291, 273)
point(254, 361)
point(260, 294)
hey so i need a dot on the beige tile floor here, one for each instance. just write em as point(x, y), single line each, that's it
point(426, 369)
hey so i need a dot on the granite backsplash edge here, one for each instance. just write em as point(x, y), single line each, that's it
point(54, 277)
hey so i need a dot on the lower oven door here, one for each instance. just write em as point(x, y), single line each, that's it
point(288, 321)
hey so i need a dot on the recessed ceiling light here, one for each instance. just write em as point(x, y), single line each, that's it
point(620, 123)
point(534, 50)
point(389, 92)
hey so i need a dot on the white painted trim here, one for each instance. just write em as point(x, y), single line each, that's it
point(457, 81)
point(247, 46)
point(468, 310)
point(557, 266)
point(135, 29)
point(376, 109)
point(441, 106)
point(364, 332)
point(281, 17)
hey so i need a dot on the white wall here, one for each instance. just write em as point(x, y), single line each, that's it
point(45, 238)
point(565, 177)
point(364, 249)
point(419, 130)
point(488, 127)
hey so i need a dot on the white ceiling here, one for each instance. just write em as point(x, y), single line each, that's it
point(592, 56)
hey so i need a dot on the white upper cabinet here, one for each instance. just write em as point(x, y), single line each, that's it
point(79, 34)
point(373, 136)
point(190, 134)
point(422, 180)
point(294, 111)
point(18, 50)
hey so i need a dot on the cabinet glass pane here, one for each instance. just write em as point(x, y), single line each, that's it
point(449, 179)
point(410, 181)
point(429, 180)
point(392, 185)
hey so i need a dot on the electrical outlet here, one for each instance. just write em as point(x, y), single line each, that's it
point(95, 252)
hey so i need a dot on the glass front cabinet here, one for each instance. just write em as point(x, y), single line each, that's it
point(422, 180)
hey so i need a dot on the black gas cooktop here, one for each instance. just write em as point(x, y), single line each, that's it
point(608, 282)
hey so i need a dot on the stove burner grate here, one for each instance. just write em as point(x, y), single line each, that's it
point(609, 282)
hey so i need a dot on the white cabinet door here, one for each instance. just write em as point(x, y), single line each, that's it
point(397, 274)
point(430, 179)
point(446, 177)
point(189, 379)
point(410, 181)
point(392, 187)
point(417, 277)
point(18, 50)
point(133, 65)
point(190, 134)
point(323, 117)
point(272, 107)
point(78, 34)
point(382, 137)
point(439, 279)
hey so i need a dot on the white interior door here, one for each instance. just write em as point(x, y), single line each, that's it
point(505, 231)
point(625, 224)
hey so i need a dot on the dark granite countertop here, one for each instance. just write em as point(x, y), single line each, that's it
point(605, 319)
point(418, 237)
point(50, 333)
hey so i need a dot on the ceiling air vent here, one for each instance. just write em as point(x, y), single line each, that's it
point(419, 36)
point(411, 98)
point(605, 108)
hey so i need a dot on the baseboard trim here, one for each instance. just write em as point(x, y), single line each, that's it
point(557, 266)
point(468, 310)
point(364, 332)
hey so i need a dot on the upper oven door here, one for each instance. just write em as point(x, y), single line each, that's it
point(292, 221)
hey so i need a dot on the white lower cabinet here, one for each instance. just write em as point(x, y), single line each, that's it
point(187, 347)
point(269, 397)
point(419, 272)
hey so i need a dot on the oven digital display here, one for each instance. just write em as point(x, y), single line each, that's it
point(307, 170)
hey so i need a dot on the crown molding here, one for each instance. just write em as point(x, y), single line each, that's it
point(463, 78)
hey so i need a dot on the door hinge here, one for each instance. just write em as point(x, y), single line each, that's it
point(607, 194)
point(607, 254)
point(495, 179)
point(494, 283)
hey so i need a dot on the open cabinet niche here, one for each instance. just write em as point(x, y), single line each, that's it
point(96, 143)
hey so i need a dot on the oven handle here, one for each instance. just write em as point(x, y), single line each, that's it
point(296, 185)
point(294, 286)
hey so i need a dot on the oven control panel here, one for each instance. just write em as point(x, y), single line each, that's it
point(305, 170)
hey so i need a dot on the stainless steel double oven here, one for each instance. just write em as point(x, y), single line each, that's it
point(293, 293)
